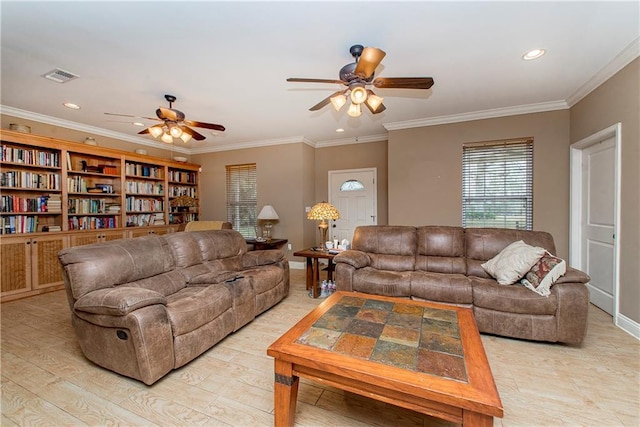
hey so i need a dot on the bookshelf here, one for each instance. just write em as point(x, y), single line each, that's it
point(56, 193)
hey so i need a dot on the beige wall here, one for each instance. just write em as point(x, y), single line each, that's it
point(354, 156)
point(618, 100)
point(425, 170)
point(283, 173)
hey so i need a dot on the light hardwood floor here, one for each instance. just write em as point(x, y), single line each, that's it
point(47, 381)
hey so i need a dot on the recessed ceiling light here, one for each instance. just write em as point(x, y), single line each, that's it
point(137, 124)
point(533, 54)
point(339, 130)
point(71, 105)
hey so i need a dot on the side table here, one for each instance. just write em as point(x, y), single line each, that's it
point(313, 267)
point(260, 245)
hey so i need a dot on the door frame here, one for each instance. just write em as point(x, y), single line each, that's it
point(575, 208)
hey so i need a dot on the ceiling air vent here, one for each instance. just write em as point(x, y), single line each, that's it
point(60, 76)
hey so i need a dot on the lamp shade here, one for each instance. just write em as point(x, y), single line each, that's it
point(323, 211)
point(268, 213)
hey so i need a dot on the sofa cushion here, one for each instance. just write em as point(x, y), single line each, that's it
point(264, 278)
point(390, 247)
point(184, 248)
point(165, 283)
point(382, 282)
point(441, 249)
point(544, 274)
point(482, 244)
point(447, 288)
point(487, 293)
point(193, 307)
point(513, 262)
point(220, 244)
point(99, 265)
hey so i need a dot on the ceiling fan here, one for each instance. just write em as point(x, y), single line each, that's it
point(174, 124)
point(358, 77)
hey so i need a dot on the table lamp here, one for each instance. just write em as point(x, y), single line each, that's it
point(268, 214)
point(322, 212)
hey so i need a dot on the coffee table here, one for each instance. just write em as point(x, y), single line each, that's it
point(421, 356)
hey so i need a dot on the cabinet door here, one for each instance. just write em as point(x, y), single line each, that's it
point(15, 265)
point(140, 232)
point(113, 235)
point(79, 239)
point(45, 267)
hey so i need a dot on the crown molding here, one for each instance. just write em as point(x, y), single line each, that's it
point(479, 115)
point(354, 140)
point(41, 118)
point(253, 144)
point(628, 54)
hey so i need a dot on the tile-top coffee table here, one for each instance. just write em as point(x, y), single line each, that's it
point(422, 356)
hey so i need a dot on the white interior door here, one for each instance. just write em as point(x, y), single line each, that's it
point(354, 193)
point(598, 221)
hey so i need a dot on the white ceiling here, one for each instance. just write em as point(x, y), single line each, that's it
point(227, 62)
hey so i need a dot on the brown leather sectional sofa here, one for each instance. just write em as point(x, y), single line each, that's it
point(443, 264)
point(142, 307)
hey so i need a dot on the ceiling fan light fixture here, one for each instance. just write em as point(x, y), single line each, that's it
point(166, 138)
point(185, 137)
point(374, 101)
point(358, 95)
point(354, 110)
point(175, 130)
point(156, 131)
point(338, 101)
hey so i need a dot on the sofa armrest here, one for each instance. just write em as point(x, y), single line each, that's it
point(118, 301)
point(573, 276)
point(262, 257)
point(356, 259)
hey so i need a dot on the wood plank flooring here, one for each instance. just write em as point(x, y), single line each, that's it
point(46, 381)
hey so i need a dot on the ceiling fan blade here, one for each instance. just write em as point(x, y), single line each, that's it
point(204, 125)
point(170, 114)
point(368, 62)
point(195, 135)
point(326, 101)
point(298, 80)
point(136, 117)
point(404, 82)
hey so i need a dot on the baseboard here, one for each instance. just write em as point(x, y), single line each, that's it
point(629, 326)
point(297, 265)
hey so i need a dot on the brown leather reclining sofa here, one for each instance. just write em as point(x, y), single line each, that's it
point(142, 307)
point(443, 264)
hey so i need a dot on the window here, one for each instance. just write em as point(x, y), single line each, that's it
point(497, 184)
point(352, 185)
point(242, 198)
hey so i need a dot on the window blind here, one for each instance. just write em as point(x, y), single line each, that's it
point(242, 198)
point(497, 184)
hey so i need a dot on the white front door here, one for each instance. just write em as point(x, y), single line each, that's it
point(595, 214)
point(354, 193)
point(598, 219)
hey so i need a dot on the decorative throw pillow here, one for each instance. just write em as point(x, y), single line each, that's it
point(513, 262)
point(544, 274)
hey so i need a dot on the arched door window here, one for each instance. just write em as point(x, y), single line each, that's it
point(352, 185)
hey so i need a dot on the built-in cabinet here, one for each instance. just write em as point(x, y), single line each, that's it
point(56, 194)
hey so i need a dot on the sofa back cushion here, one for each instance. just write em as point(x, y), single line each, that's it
point(184, 248)
point(390, 247)
point(102, 265)
point(221, 249)
point(441, 250)
point(482, 244)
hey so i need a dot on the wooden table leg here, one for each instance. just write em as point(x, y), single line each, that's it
point(330, 269)
point(309, 273)
point(285, 391)
point(316, 277)
point(475, 419)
